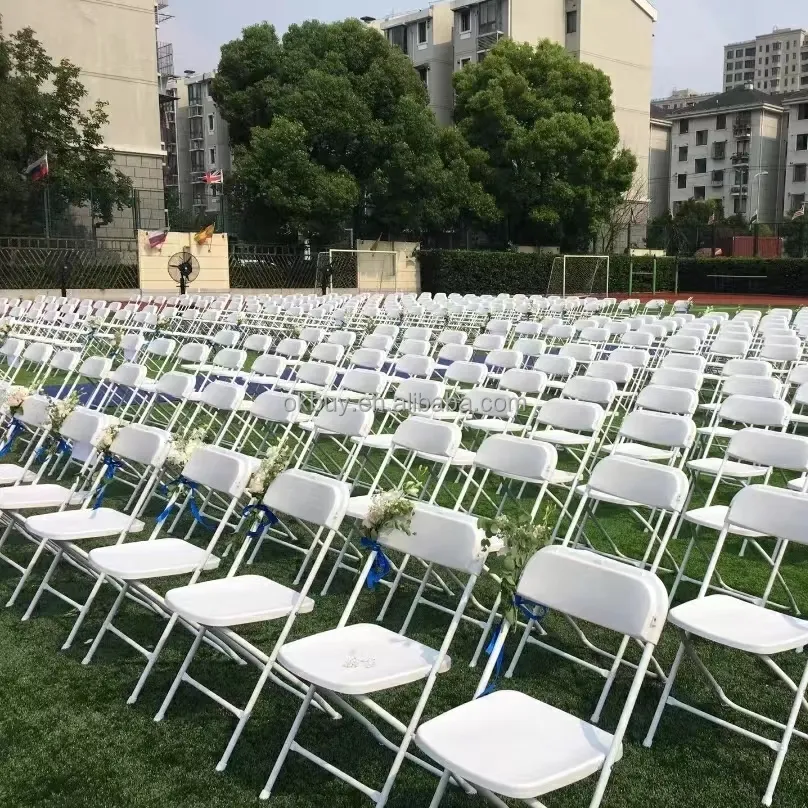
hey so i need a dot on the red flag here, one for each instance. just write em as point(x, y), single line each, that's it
point(214, 177)
point(157, 238)
point(39, 169)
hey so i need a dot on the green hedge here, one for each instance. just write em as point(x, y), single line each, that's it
point(481, 272)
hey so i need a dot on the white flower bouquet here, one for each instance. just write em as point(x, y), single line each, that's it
point(108, 438)
point(94, 323)
point(14, 397)
point(183, 446)
point(5, 326)
point(60, 408)
point(392, 510)
point(275, 462)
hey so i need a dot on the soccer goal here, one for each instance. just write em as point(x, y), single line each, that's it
point(579, 275)
point(363, 269)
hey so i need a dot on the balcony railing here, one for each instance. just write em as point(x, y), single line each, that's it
point(739, 190)
point(717, 182)
point(487, 41)
point(740, 157)
point(742, 129)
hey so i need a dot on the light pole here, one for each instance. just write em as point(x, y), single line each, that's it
point(757, 203)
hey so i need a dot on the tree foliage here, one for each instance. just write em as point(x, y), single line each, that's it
point(331, 129)
point(44, 110)
point(546, 123)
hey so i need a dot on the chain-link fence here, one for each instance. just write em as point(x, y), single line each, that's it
point(51, 263)
point(268, 266)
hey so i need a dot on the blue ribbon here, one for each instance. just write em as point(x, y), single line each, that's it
point(525, 608)
point(267, 519)
point(62, 447)
point(17, 428)
point(113, 464)
point(195, 512)
point(381, 564)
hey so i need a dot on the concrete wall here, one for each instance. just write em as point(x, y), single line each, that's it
point(377, 271)
point(213, 257)
point(795, 189)
point(659, 168)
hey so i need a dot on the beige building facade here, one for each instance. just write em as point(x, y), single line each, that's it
point(114, 43)
point(776, 62)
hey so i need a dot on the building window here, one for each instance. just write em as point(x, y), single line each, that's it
point(718, 177)
point(739, 205)
point(800, 173)
point(423, 74)
point(720, 150)
point(738, 53)
point(213, 156)
point(211, 123)
point(728, 77)
point(738, 77)
point(729, 65)
point(802, 112)
point(398, 37)
point(701, 137)
point(802, 142)
point(700, 192)
point(572, 22)
point(422, 32)
point(797, 201)
point(684, 127)
point(738, 65)
point(488, 16)
point(701, 165)
point(682, 179)
point(682, 154)
point(466, 60)
point(750, 51)
point(465, 20)
point(214, 189)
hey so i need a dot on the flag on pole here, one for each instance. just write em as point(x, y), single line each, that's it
point(799, 212)
point(39, 169)
point(711, 220)
point(214, 177)
point(754, 218)
point(203, 236)
point(157, 238)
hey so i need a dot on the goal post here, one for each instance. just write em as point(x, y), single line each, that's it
point(363, 270)
point(579, 275)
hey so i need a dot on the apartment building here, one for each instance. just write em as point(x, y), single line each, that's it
point(679, 99)
point(426, 37)
point(203, 144)
point(796, 163)
point(775, 62)
point(659, 163)
point(731, 148)
point(115, 46)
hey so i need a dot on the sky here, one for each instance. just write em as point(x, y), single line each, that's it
point(688, 42)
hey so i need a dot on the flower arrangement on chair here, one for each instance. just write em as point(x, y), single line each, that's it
point(11, 399)
point(275, 463)
point(6, 325)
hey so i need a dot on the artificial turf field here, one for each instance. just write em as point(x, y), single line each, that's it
point(68, 739)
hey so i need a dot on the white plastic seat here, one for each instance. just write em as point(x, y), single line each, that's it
point(236, 601)
point(43, 495)
point(154, 559)
point(525, 762)
point(84, 524)
point(358, 659)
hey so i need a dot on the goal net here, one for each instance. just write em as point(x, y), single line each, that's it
point(579, 275)
point(368, 270)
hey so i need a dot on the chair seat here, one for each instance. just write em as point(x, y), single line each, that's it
point(160, 558)
point(358, 507)
point(235, 601)
point(375, 441)
point(711, 465)
point(561, 477)
point(713, 517)
point(363, 658)
point(739, 624)
point(11, 473)
point(515, 745)
point(602, 496)
point(797, 485)
point(562, 437)
point(717, 431)
point(640, 451)
point(47, 495)
point(79, 525)
point(493, 425)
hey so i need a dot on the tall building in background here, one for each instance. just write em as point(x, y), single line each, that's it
point(115, 46)
point(615, 36)
point(203, 145)
point(775, 62)
point(680, 99)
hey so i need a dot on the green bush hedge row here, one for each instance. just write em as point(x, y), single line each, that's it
point(481, 272)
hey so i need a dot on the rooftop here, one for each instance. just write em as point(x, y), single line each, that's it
point(732, 99)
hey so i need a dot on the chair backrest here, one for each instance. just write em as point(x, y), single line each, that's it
point(84, 426)
point(774, 512)
point(193, 352)
point(568, 414)
point(684, 362)
point(618, 372)
point(317, 373)
point(371, 358)
point(555, 365)
point(424, 394)
point(528, 382)
point(452, 338)
point(488, 402)
point(446, 538)
point(455, 352)
point(466, 372)
point(755, 411)
point(176, 384)
point(659, 429)
point(578, 351)
point(503, 359)
point(65, 360)
point(725, 346)
point(352, 420)
point(37, 352)
point(746, 367)
point(222, 395)
point(378, 342)
point(128, 374)
point(650, 484)
point(517, 458)
point(683, 342)
point(162, 346)
point(428, 436)
point(761, 386)
point(227, 338)
point(269, 365)
point(678, 377)
point(141, 444)
point(767, 448)
point(220, 469)
point(309, 497)
point(530, 346)
point(276, 406)
point(95, 367)
point(676, 400)
point(415, 365)
point(258, 342)
point(344, 338)
point(632, 356)
point(585, 388)
point(489, 342)
point(360, 380)
point(291, 348)
point(596, 589)
point(327, 352)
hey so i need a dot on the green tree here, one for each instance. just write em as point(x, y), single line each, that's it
point(331, 129)
point(44, 110)
point(546, 122)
